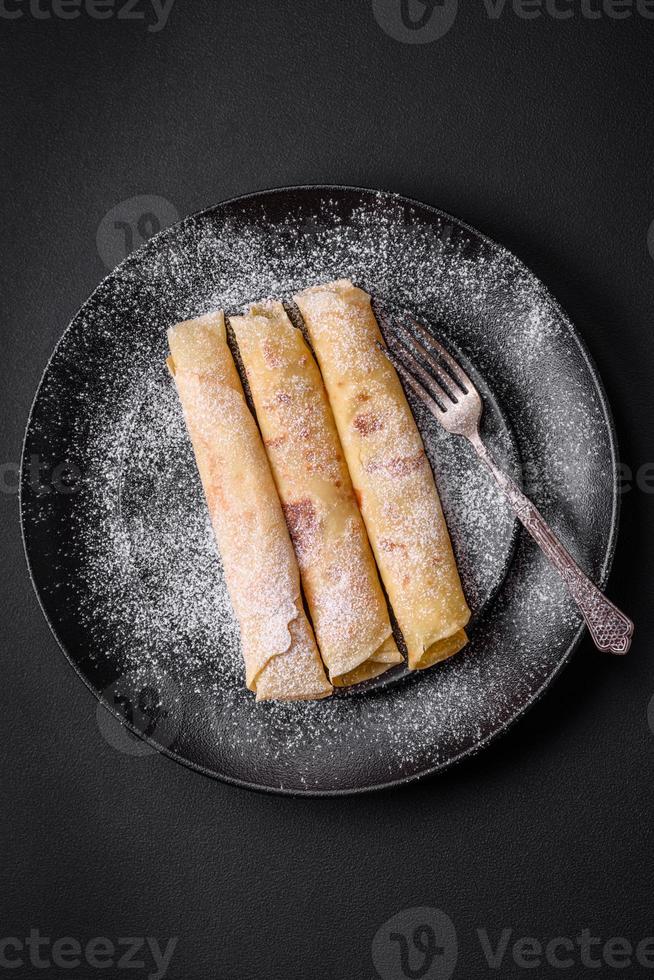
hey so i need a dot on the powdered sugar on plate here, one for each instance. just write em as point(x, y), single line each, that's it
point(151, 595)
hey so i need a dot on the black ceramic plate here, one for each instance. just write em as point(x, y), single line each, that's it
point(118, 541)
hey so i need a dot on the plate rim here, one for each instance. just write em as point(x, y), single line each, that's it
point(607, 563)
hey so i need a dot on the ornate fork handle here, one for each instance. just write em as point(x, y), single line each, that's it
point(610, 629)
point(453, 400)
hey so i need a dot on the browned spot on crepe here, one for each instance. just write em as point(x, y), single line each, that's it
point(302, 519)
point(216, 499)
point(387, 545)
point(367, 423)
point(271, 355)
point(275, 443)
point(398, 465)
point(359, 496)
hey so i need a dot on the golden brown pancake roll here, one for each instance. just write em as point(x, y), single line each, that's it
point(339, 578)
point(261, 572)
point(391, 474)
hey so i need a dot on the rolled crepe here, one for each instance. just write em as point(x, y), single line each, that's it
point(261, 572)
point(390, 472)
point(339, 578)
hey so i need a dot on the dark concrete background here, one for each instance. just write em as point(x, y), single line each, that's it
point(538, 132)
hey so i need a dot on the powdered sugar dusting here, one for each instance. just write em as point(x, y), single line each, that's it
point(151, 590)
point(341, 587)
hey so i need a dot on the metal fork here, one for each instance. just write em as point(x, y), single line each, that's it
point(453, 400)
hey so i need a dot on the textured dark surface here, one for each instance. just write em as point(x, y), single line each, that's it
point(537, 132)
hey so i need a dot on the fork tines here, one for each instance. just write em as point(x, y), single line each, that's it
point(448, 382)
